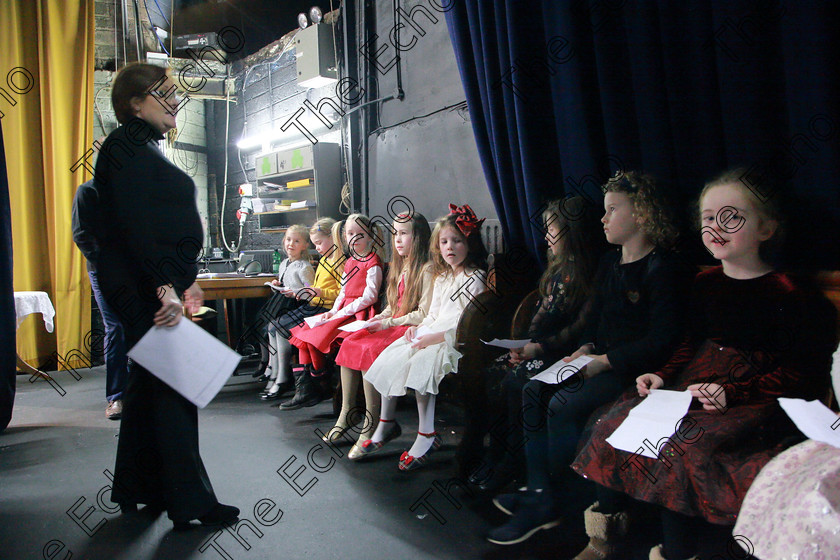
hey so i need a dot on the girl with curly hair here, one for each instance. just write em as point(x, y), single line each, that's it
point(632, 324)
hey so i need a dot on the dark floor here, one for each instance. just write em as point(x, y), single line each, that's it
point(58, 452)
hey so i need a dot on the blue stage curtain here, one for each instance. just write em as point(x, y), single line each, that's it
point(562, 94)
point(7, 300)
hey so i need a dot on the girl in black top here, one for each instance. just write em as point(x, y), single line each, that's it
point(632, 325)
point(573, 235)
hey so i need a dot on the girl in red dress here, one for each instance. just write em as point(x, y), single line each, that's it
point(753, 337)
point(409, 293)
point(357, 299)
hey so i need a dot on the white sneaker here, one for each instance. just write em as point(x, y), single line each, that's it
point(114, 410)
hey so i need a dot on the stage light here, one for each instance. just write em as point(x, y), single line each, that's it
point(315, 15)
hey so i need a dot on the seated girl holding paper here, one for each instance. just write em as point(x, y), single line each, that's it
point(319, 297)
point(633, 325)
point(426, 354)
point(294, 274)
point(357, 299)
point(573, 234)
point(753, 337)
point(409, 293)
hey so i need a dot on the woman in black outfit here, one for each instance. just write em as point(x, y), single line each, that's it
point(152, 236)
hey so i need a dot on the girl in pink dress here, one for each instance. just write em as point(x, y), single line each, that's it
point(357, 299)
point(409, 293)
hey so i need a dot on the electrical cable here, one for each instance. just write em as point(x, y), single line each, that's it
point(149, 15)
point(116, 43)
point(417, 117)
point(172, 26)
point(97, 110)
point(161, 11)
point(137, 32)
point(122, 27)
point(232, 248)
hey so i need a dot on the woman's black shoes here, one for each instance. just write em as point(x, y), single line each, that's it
point(218, 516)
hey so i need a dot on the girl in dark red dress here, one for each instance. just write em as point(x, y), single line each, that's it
point(409, 293)
point(753, 337)
point(357, 299)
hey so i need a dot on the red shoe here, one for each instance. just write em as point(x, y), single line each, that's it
point(410, 462)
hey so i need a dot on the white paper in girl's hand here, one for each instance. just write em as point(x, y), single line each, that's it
point(651, 422)
point(421, 331)
point(813, 419)
point(314, 320)
point(561, 371)
point(354, 326)
point(508, 343)
point(276, 288)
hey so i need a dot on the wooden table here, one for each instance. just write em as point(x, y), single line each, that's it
point(239, 287)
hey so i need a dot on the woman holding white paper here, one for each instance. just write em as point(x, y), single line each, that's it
point(753, 336)
point(152, 236)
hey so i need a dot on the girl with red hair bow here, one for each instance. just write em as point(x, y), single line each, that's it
point(426, 353)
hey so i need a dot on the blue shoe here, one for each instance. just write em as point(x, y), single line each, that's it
point(509, 503)
point(536, 513)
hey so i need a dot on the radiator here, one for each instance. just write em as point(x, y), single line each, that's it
point(491, 235)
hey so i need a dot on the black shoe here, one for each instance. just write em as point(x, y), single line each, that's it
point(282, 389)
point(301, 400)
point(152, 507)
point(218, 516)
point(482, 473)
point(128, 508)
point(503, 474)
point(306, 391)
point(535, 512)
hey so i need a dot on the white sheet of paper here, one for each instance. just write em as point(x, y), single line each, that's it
point(813, 419)
point(188, 359)
point(655, 419)
point(354, 326)
point(561, 371)
point(507, 343)
point(280, 289)
point(314, 320)
point(421, 331)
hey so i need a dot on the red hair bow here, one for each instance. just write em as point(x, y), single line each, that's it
point(465, 218)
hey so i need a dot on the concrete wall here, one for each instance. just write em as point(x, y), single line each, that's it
point(430, 159)
point(424, 150)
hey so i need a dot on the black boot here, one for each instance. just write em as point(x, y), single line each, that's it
point(306, 390)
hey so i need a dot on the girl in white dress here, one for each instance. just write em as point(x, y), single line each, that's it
point(427, 352)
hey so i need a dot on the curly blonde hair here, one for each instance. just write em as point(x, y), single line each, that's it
point(656, 215)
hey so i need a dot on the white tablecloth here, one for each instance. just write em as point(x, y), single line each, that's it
point(34, 302)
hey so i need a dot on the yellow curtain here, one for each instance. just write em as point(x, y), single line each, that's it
point(46, 130)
